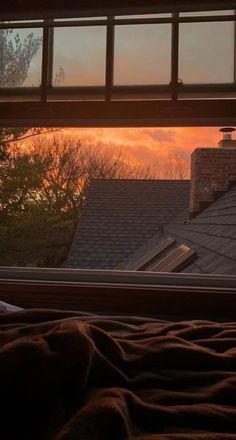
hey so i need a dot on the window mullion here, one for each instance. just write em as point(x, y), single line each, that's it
point(50, 56)
point(175, 57)
point(46, 59)
point(235, 49)
point(109, 57)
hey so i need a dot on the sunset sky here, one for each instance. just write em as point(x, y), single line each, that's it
point(146, 146)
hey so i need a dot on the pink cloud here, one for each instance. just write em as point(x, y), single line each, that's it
point(147, 143)
point(150, 147)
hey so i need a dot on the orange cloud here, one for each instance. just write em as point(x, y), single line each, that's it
point(148, 144)
point(150, 147)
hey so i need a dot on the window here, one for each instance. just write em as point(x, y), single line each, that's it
point(122, 70)
point(142, 54)
point(156, 56)
point(84, 63)
point(147, 257)
point(21, 57)
point(201, 63)
point(174, 261)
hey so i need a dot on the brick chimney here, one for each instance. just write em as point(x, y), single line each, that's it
point(213, 171)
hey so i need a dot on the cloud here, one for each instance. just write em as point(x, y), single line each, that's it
point(151, 147)
point(160, 135)
point(147, 143)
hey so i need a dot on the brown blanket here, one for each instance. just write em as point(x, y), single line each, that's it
point(76, 376)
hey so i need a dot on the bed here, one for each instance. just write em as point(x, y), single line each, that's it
point(69, 375)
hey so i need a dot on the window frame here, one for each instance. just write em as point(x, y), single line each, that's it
point(208, 296)
point(168, 296)
point(115, 105)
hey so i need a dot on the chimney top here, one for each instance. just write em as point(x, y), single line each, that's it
point(227, 141)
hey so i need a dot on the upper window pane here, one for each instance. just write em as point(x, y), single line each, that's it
point(21, 21)
point(145, 16)
point(206, 13)
point(206, 52)
point(20, 57)
point(79, 56)
point(80, 18)
point(142, 54)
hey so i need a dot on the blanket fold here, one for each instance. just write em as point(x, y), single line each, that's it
point(80, 376)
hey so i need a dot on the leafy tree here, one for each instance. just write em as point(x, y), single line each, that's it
point(21, 177)
point(16, 55)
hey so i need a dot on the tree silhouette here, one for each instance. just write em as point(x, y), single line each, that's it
point(16, 55)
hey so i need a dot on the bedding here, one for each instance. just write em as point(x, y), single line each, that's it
point(78, 376)
point(6, 307)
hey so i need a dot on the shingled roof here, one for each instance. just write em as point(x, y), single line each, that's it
point(119, 216)
point(212, 234)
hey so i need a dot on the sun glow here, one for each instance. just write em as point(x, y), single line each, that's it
point(143, 147)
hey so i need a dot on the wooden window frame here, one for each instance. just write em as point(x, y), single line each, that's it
point(111, 105)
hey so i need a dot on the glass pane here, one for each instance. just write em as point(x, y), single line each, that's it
point(79, 56)
point(206, 52)
point(80, 18)
point(20, 57)
point(206, 13)
point(142, 54)
point(145, 16)
point(21, 21)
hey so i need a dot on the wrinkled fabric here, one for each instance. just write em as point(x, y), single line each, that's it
point(78, 376)
point(5, 307)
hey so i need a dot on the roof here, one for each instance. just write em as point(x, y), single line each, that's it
point(119, 216)
point(212, 234)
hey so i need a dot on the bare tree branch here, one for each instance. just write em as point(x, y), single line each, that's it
point(33, 135)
